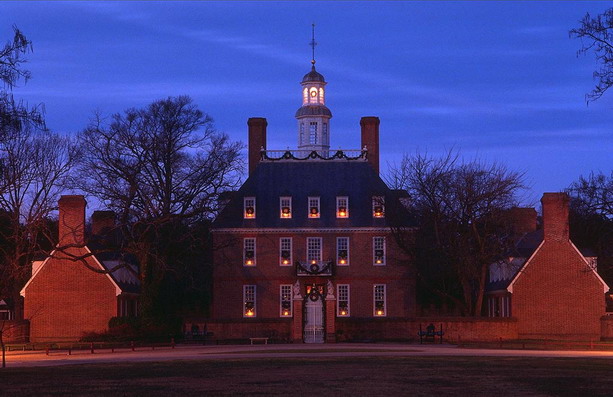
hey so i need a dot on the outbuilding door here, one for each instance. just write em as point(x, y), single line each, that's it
point(314, 318)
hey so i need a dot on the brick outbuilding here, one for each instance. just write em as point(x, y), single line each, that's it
point(550, 286)
point(73, 290)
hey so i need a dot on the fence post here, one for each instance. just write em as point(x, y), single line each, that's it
point(132, 345)
point(47, 350)
point(91, 347)
point(172, 343)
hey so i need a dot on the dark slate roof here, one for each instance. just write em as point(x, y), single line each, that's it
point(125, 276)
point(313, 75)
point(313, 110)
point(325, 179)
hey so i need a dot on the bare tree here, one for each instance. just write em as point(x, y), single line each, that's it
point(161, 168)
point(596, 35)
point(462, 230)
point(34, 164)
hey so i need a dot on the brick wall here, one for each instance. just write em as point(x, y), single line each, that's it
point(15, 331)
point(557, 296)
point(66, 299)
point(268, 275)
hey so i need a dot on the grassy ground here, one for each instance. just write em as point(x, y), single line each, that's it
point(421, 376)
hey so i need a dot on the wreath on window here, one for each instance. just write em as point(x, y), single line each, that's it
point(314, 297)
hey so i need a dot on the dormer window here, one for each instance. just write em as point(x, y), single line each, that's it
point(378, 207)
point(342, 207)
point(286, 207)
point(249, 207)
point(313, 207)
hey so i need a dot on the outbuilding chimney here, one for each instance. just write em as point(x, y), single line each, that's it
point(102, 222)
point(370, 140)
point(72, 221)
point(257, 140)
point(555, 216)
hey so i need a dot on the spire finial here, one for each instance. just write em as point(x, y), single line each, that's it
point(313, 44)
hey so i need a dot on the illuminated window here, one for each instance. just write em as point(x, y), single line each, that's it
point(285, 251)
point(313, 95)
point(321, 96)
point(313, 250)
point(313, 207)
point(313, 133)
point(378, 206)
point(342, 207)
point(305, 96)
point(378, 245)
point(342, 251)
point(249, 251)
point(285, 204)
point(249, 210)
point(379, 304)
point(249, 301)
point(285, 300)
point(342, 303)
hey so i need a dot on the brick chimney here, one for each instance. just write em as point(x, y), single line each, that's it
point(72, 220)
point(370, 139)
point(555, 216)
point(257, 140)
point(102, 222)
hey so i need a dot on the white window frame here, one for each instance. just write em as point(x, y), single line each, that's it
point(285, 244)
point(379, 243)
point(313, 201)
point(249, 242)
point(343, 296)
point(285, 290)
point(316, 251)
point(376, 201)
point(249, 202)
point(342, 201)
point(249, 296)
point(379, 296)
point(285, 201)
point(342, 246)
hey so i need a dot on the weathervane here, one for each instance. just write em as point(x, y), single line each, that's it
point(313, 44)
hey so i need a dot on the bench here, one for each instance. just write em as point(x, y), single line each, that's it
point(430, 334)
point(265, 340)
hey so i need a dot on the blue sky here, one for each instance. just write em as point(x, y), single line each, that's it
point(497, 80)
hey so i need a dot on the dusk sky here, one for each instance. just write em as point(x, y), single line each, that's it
point(497, 80)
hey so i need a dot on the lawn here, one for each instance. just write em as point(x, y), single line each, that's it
point(414, 376)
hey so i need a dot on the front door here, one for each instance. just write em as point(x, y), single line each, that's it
point(314, 318)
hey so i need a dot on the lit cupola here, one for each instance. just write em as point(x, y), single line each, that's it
point(313, 116)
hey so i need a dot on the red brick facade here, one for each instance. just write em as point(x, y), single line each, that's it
point(556, 294)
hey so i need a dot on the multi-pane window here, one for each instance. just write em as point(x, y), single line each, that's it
point(313, 132)
point(285, 207)
point(342, 303)
point(342, 251)
point(342, 207)
point(499, 306)
point(378, 206)
point(249, 251)
point(379, 304)
point(313, 207)
point(314, 250)
point(378, 248)
point(324, 130)
point(301, 133)
point(249, 207)
point(321, 97)
point(285, 251)
point(285, 300)
point(249, 301)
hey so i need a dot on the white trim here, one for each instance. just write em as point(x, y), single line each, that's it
point(338, 200)
point(520, 271)
point(308, 230)
point(291, 309)
point(510, 287)
point(291, 253)
point(117, 288)
point(374, 250)
point(338, 300)
point(587, 264)
point(348, 261)
point(374, 300)
point(289, 202)
point(316, 200)
point(255, 261)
